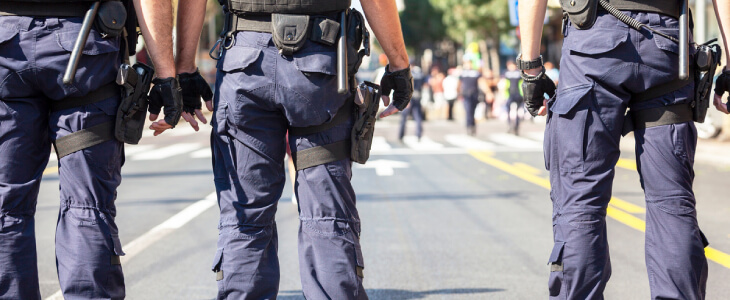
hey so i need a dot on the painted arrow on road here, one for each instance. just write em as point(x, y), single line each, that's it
point(384, 167)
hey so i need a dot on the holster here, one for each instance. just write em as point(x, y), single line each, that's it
point(582, 13)
point(707, 58)
point(132, 112)
point(367, 102)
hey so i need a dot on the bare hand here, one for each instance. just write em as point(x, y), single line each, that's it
point(719, 105)
point(390, 109)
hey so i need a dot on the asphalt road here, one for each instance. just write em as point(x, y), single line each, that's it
point(449, 217)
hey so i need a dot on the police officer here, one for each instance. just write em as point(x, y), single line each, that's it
point(263, 90)
point(607, 67)
point(414, 108)
point(38, 109)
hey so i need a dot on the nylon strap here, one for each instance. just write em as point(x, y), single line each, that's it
point(83, 139)
point(35, 9)
point(652, 117)
point(342, 115)
point(105, 92)
point(262, 23)
point(116, 260)
point(320, 155)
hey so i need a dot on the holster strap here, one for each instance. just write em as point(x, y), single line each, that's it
point(83, 139)
point(652, 117)
point(104, 92)
point(320, 155)
point(36, 9)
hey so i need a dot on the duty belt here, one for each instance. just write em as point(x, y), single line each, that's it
point(34, 9)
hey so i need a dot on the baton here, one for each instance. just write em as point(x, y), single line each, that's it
point(342, 78)
point(76, 53)
point(684, 42)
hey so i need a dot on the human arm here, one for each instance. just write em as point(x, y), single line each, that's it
point(192, 83)
point(155, 21)
point(532, 14)
point(382, 15)
point(722, 12)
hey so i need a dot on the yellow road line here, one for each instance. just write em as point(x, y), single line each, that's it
point(613, 212)
point(50, 170)
point(527, 168)
point(628, 164)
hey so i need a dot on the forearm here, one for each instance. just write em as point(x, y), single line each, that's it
point(722, 12)
point(383, 18)
point(190, 16)
point(155, 20)
point(532, 15)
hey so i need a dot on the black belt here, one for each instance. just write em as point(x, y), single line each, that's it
point(669, 8)
point(35, 9)
point(652, 117)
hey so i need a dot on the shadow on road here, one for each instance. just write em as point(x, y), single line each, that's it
point(51, 177)
point(400, 294)
point(441, 196)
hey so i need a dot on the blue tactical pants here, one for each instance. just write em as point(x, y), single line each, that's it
point(260, 94)
point(33, 57)
point(414, 109)
point(514, 124)
point(602, 68)
point(470, 107)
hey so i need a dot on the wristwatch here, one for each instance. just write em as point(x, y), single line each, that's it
point(528, 65)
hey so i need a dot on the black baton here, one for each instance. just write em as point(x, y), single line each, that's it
point(684, 42)
point(76, 53)
point(342, 78)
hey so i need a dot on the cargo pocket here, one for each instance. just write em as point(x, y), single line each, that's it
point(217, 260)
point(116, 277)
point(7, 34)
point(547, 135)
point(238, 59)
point(95, 44)
point(316, 62)
point(556, 280)
point(568, 126)
point(585, 41)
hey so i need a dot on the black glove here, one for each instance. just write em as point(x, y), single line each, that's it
point(402, 82)
point(166, 92)
point(194, 87)
point(722, 85)
point(533, 89)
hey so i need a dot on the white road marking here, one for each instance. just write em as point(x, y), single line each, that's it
point(425, 143)
point(202, 153)
point(168, 151)
point(380, 144)
point(158, 232)
point(468, 142)
point(514, 141)
point(384, 167)
point(186, 130)
point(134, 149)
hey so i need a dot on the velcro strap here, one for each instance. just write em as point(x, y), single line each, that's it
point(359, 272)
point(258, 23)
point(320, 155)
point(84, 138)
point(116, 260)
point(219, 275)
point(105, 92)
point(652, 117)
point(342, 115)
point(36, 9)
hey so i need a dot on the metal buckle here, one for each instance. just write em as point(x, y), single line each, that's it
point(217, 45)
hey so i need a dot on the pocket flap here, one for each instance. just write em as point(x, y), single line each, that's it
point(569, 98)
point(557, 255)
point(7, 33)
point(316, 62)
point(95, 44)
point(665, 43)
point(585, 41)
point(117, 245)
point(217, 260)
point(239, 58)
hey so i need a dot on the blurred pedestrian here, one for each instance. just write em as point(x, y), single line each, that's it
point(414, 107)
point(551, 72)
point(513, 95)
point(488, 86)
point(436, 85)
point(451, 91)
point(469, 94)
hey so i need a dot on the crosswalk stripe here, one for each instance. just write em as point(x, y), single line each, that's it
point(380, 144)
point(134, 149)
point(514, 141)
point(202, 153)
point(168, 151)
point(425, 143)
point(468, 142)
point(538, 136)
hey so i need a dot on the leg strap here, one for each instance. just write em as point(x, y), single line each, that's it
point(652, 117)
point(320, 155)
point(83, 139)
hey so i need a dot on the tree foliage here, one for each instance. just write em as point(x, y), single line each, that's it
point(422, 24)
point(487, 18)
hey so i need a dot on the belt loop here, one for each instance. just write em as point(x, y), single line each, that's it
point(52, 23)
